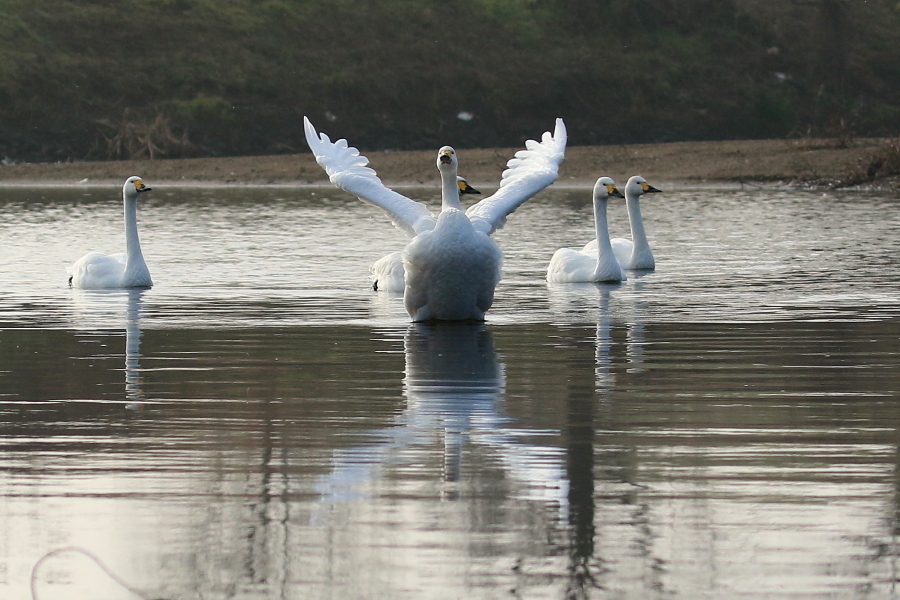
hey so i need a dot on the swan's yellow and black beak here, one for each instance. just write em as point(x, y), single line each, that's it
point(613, 191)
point(140, 187)
point(465, 188)
point(648, 188)
point(446, 157)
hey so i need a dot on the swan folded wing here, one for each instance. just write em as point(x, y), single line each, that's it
point(348, 170)
point(530, 171)
point(97, 270)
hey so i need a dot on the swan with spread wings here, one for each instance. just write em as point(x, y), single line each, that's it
point(452, 265)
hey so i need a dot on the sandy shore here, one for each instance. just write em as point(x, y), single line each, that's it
point(814, 161)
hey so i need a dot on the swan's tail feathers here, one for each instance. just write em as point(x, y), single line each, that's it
point(527, 173)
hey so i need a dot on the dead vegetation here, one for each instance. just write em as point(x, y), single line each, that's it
point(237, 77)
point(136, 137)
point(881, 165)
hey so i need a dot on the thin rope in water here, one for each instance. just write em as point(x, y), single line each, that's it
point(90, 555)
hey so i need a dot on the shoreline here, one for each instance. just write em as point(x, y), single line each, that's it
point(768, 163)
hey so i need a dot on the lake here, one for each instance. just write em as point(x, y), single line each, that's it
point(261, 424)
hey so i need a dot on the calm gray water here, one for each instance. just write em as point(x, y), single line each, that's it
point(262, 425)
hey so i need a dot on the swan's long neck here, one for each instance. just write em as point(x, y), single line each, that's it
point(632, 201)
point(607, 267)
point(601, 225)
point(136, 272)
point(449, 190)
point(132, 242)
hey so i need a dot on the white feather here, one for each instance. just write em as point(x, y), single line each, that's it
point(346, 168)
point(100, 271)
point(452, 266)
point(529, 172)
point(596, 261)
point(635, 254)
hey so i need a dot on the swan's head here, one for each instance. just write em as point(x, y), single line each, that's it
point(133, 186)
point(464, 187)
point(637, 185)
point(446, 159)
point(606, 187)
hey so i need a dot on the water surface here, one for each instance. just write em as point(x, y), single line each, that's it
point(261, 424)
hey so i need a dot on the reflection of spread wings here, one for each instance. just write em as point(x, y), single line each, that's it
point(347, 169)
point(454, 386)
point(529, 172)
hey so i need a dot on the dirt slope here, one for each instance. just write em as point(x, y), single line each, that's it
point(817, 161)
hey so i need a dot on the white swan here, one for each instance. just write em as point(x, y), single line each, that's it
point(596, 261)
point(635, 255)
point(388, 274)
point(451, 265)
point(100, 271)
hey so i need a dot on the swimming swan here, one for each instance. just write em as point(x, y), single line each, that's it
point(100, 271)
point(596, 261)
point(635, 255)
point(451, 265)
point(387, 272)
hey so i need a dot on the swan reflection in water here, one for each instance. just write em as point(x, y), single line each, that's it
point(590, 301)
point(104, 310)
point(454, 387)
point(608, 303)
point(133, 336)
point(636, 339)
point(604, 378)
point(600, 465)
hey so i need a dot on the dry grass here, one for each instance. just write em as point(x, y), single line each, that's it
point(882, 164)
point(138, 138)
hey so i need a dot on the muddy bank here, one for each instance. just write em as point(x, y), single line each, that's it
point(795, 161)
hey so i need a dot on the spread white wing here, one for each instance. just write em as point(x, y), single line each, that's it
point(347, 169)
point(529, 172)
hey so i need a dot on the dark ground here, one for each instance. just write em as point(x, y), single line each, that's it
point(804, 161)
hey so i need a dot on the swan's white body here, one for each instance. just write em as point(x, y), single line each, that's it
point(388, 273)
point(635, 254)
point(101, 271)
point(596, 261)
point(451, 271)
point(451, 265)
